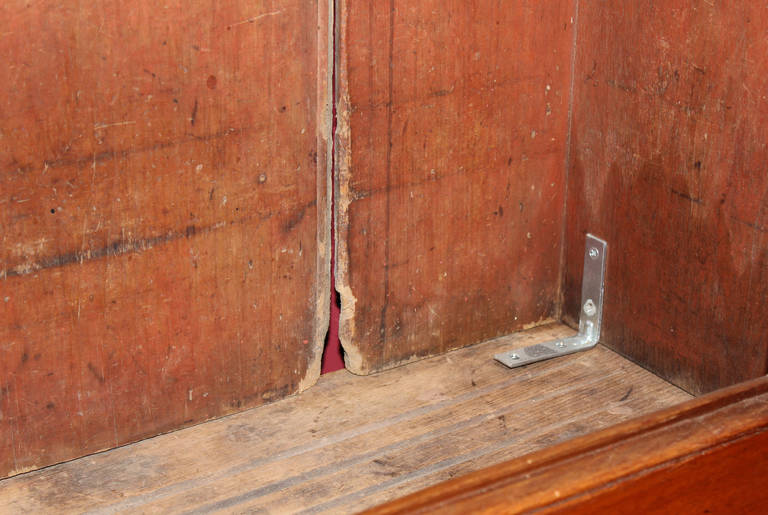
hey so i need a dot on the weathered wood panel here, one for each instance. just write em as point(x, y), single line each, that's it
point(450, 148)
point(708, 455)
point(164, 216)
point(669, 165)
point(353, 442)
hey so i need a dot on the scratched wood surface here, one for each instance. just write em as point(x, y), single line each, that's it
point(354, 442)
point(452, 123)
point(669, 165)
point(164, 217)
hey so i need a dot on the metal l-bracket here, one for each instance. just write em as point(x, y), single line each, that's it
point(589, 320)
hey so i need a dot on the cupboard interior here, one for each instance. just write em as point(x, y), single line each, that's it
point(160, 244)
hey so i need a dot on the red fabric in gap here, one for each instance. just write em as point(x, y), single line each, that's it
point(332, 355)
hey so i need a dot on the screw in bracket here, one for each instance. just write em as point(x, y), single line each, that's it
point(589, 308)
point(594, 253)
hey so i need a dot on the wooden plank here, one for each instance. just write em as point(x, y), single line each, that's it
point(452, 124)
point(352, 441)
point(668, 156)
point(164, 211)
point(708, 455)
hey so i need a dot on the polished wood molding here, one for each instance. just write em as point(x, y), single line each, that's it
point(709, 453)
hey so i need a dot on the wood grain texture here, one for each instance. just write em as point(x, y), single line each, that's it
point(708, 455)
point(163, 200)
point(668, 164)
point(452, 123)
point(353, 442)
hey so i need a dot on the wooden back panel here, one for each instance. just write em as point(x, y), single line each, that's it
point(164, 247)
point(708, 455)
point(668, 164)
point(453, 117)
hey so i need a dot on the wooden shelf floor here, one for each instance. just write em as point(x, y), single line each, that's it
point(353, 442)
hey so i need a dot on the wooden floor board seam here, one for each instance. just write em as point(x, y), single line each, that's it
point(442, 465)
point(228, 503)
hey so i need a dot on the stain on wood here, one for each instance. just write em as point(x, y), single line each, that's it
point(668, 164)
point(163, 201)
point(451, 141)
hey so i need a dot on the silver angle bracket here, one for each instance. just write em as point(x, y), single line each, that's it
point(589, 320)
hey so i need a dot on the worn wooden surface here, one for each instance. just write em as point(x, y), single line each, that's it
point(353, 442)
point(451, 141)
point(164, 222)
point(708, 455)
point(668, 162)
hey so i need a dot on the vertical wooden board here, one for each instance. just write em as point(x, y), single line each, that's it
point(452, 123)
point(165, 233)
point(669, 165)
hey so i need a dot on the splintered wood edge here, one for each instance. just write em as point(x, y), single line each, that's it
point(324, 121)
point(501, 487)
point(353, 358)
